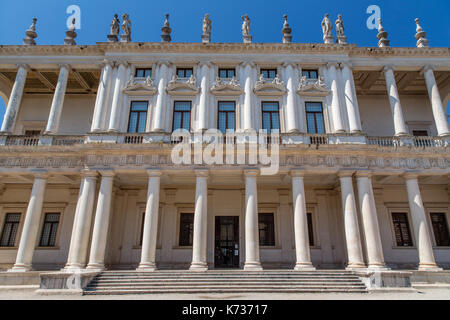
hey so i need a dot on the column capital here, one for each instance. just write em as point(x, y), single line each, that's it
point(246, 63)
point(410, 175)
point(65, 66)
point(345, 173)
point(251, 172)
point(291, 64)
point(201, 172)
point(107, 62)
point(388, 67)
point(107, 173)
point(23, 66)
point(363, 174)
point(205, 63)
point(297, 173)
point(123, 63)
point(161, 63)
point(86, 173)
point(347, 64)
point(40, 173)
point(334, 64)
point(426, 68)
point(154, 172)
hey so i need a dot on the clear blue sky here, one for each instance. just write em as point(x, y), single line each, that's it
point(185, 19)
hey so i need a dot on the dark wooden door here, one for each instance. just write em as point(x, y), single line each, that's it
point(226, 253)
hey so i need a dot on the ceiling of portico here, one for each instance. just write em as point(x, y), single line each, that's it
point(44, 81)
point(408, 82)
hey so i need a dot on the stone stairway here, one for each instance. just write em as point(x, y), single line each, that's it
point(224, 281)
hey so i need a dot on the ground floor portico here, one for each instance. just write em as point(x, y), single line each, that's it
point(201, 219)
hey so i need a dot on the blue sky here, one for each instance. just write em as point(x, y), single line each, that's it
point(185, 19)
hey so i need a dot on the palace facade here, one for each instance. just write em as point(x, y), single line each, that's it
point(88, 178)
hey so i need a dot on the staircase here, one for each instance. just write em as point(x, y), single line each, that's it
point(224, 281)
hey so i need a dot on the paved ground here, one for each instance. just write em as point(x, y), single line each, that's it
point(422, 294)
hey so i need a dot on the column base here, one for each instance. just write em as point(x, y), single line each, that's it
point(74, 267)
point(355, 266)
point(304, 267)
point(147, 267)
point(96, 267)
point(199, 266)
point(20, 268)
point(429, 267)
point(253, 266)
point(377, 267)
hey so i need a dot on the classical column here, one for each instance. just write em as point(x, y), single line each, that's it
point(440, 117)
point(158, 115)
point(58, 101)
point(102, 97)
point(200, 222)
point(302, 249)
point(101, 222)
point(370, 221)
point(252, 261)
point(352, 236)
point(421, 231)
point(14, 102)
point(248, 96)
point(31, 225)
point(291, 105)
point(204, 95)
point(116, 107)
point(148, 255)
point(82, 222)
point(394, 100)
point(338, 124)
point(351, 100)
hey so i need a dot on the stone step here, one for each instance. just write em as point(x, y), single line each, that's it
point(199, 283)
point(166, 281)
point(199, 275)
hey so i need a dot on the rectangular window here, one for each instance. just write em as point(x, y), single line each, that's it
point(227, 73)
point(143, 72)
point(186, 229)
point(270, 116)
point(182, 115)
point(269, 73)
point(226, 116)
point(10, 228)
point(185, 72)
point(440, 229)
point(266, 229)
point(420, 133)
point(310, 74)
point(49, 230)
point(32, 133)
point(138, 117)
point(142, 228)
point(401, 229)
point(314, 117)
point(310, 229)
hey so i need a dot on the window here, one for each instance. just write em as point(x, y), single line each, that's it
point(420, 133)
point(138, 117)
point(314, 117)
point(310, 229)
point(182, 115)
point(10, 228)
point(401, 229)
point(270, 116)
point(310, 74)
point(440, 229)
point(49, 230)
point(143, 73)
point(227, 73)
point(32, 133)
point(269, 73)
point(226, 117)
point(186, 229)
point(266, 229)
point(184, 72)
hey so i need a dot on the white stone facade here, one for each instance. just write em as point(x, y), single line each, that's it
point(343, 184)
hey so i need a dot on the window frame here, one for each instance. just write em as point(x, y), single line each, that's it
point(138, 117)
point(227, 70)
point(309, 70)
point(183, 112)
point(226, 115)
point(315, 117)
point(430, 223)
point(17, 232)
point(271, 113)
point(268, 70)
point(58, 226)
point(184, 69)
point(409, 225)
point(137, 69)
point(192, 215)
point(265, 245)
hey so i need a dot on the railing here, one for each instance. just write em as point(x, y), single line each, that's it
point(133, 139)
point(428, 142)
point(383, 141)
point(318, 139)
point(22, 140)
point(68, 140)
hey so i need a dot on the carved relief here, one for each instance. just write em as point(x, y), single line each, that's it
point(134, 87)
point(226, 88)
point(267, 87)
point(313, 87)
point(183, 87)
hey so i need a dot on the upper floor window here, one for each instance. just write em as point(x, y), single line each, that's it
point(269, 73)
point(227, 73)
point(32, 133)
point(10, 229)
point(310, 74)
point(401, 229)
point(314, 117)
point(270, 116)
point(143, 72)
point(266, 227)
point(182, 115)
point(440, 228)
point(138, 117)
point(226, 116)
point(49, 230)
point(185, 72)
point(186, 229)
point(420, 133)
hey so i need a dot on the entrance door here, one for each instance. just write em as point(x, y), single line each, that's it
point(226, 253)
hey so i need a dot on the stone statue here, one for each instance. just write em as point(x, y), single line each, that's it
point(115, 29)
point(382, 35)
point(286, 31)
point(126, 27)
point(31, 34)
point(422, 41)
point(341, 38)
point(192, 80)
point(261, 78)
point(327, 27)
point(71, 35)
point(234, 81)
point(206, 36)
point(247, 38)
point(166, 30)
point(277, 80)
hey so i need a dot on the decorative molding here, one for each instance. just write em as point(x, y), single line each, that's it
point(314, 88)
point(183, 87)
point(275, 87)
point(134, 87)
point(226, 88)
